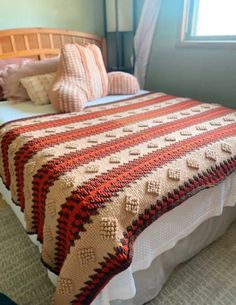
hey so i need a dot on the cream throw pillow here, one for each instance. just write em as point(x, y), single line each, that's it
point(38, 86)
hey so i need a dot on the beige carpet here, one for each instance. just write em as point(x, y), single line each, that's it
point(22, 276)
point(207, 279)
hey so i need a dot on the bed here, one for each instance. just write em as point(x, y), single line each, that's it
point(173, 237)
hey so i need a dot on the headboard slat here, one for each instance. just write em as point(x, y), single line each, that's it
point(13, 43)
point(51, 41)
point(26, 42)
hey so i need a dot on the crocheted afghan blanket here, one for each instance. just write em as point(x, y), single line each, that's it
point(90, 182)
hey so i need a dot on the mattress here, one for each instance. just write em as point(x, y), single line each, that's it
point(12, 110)
point(159, 237)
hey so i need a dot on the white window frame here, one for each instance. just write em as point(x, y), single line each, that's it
point(189, 40)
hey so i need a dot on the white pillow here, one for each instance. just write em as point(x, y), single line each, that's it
point(38, 86)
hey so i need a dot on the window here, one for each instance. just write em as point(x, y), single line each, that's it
point(209, 21)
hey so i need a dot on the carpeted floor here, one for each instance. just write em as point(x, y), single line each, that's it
point(22, 276)
point(207, 279)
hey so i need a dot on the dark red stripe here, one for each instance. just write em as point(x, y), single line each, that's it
point(86, 199)
point(34, 146)
point(122, 257)
point(12, 134)
point(52, 170)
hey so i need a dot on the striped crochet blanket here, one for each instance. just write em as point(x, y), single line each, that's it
point(90, 182)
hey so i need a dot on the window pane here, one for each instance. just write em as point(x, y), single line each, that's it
point(216, 18)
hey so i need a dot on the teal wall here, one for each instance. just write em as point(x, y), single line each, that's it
point(204, 74)
point(82, 15)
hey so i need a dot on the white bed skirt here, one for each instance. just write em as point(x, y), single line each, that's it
point(149, 282)
point(175, 237)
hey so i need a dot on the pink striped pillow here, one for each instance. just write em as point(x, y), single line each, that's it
point(122, 83)
point(81, 77)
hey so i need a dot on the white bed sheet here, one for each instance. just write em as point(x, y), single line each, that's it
point(12, 111)
point(158, 238)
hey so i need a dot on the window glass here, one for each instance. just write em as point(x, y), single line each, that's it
point(214, 18)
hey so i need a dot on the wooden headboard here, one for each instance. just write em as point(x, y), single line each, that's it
point(43, 42)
